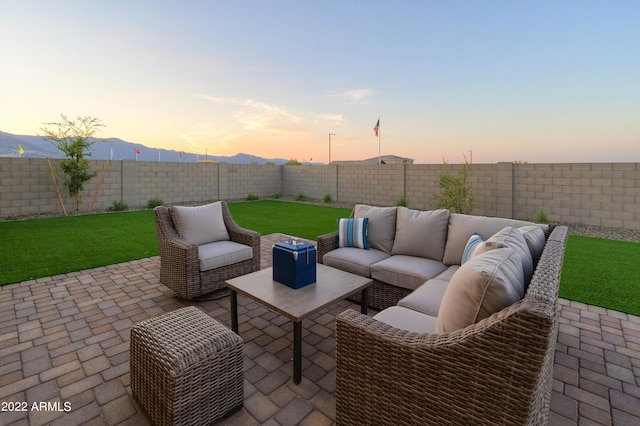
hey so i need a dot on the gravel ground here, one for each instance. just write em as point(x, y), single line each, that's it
point(604, 232)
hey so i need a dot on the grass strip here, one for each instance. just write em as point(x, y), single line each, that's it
point(603, 273)
point(296, 219)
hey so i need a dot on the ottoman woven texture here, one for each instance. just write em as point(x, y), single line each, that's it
point(186, 368)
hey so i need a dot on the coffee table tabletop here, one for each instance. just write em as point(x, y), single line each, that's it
point(331, 286)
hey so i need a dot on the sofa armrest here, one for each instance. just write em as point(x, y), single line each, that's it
point(326, 243)
point(492, 372)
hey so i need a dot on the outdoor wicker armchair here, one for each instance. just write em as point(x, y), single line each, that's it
point(180, 263)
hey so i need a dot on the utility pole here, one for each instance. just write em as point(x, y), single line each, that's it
point(330, 134)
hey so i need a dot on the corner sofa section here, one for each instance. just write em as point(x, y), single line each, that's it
point(402, 366)
point(410, 248)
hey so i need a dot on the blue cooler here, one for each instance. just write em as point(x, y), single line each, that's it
point(294, 265)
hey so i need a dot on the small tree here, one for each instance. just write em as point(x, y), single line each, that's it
point(456, 193)
point(72, 137)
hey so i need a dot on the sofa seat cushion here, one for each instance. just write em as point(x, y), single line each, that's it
point(481, 287)
point(222, 253)
point(200, 224)
point(426, 298)
point(354, 260)
point(462, 226)
point(510, 237)
point(448, 273)
point(382, 225)
point(406, 271)
point(421, 233)
point(407, 319)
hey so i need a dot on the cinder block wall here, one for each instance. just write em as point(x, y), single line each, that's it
point(236, 181)
point(378, 185)
point(313, 181)
point(604, 194)
point(601, 194)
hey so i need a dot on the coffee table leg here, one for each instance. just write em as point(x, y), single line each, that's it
point(297, 352)
point(234, 311)
point(365, 301)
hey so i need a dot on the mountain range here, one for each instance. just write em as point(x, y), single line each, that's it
point(117, 149)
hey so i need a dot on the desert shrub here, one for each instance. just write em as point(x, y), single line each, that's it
point(301, 197)
point(456, 193)
point(276, 196)
point(154, 202)
point(118, 206)
point(252, 197)
point(541, 217)
point(328, 198)
point(401, 202)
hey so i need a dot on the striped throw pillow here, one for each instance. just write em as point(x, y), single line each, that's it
point(353, 233)
point(469, 250)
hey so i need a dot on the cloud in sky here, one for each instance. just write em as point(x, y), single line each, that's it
point(333, 119)
point(352, 95)
point(257, 115)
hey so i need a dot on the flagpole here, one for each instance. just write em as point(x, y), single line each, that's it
point(379, 156)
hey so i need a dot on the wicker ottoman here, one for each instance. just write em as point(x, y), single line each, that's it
point(186, 368)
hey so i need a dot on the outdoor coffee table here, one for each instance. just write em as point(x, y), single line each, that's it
point(331, 286)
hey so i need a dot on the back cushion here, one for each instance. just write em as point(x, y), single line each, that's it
point(510, 237)
point(200, 224)
point(462, 227)
point(382, 225)
point(534, 236)
point(481, 287)
point(421, 233)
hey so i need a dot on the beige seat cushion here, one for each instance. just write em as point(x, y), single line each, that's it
point(421, 233)
point(407, 319)
point(426, 298)
point(200, 224)
point(382, 225)
point(510, 237)
point(481, 287)
point(408, 272)
point(354, 260)
point(222, 253)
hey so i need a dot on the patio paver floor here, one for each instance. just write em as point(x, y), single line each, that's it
point(65, 340)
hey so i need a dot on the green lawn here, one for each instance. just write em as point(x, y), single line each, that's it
point(38, 248)
point(603, 273)
point(596, 271)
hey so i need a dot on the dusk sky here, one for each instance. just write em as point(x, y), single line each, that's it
point(536, 81)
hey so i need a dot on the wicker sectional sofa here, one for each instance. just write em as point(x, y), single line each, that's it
point(443, 351)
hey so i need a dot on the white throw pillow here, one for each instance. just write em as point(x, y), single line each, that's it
point(201, 224)
point(481, 287)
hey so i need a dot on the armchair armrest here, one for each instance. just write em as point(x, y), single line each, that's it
point(326, 243)
point(180, 265)
point(488, 373)
point(243, 236)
